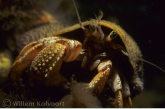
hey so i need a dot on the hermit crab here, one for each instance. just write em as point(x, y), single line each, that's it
point(107, 51)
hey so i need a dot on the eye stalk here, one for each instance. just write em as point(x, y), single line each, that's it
point(95, 29)
point(99, 34)
point(112, 35)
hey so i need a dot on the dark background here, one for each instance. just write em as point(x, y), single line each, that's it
point(145, 22)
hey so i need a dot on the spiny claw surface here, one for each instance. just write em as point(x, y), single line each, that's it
point(47, 64)
point(46, 56)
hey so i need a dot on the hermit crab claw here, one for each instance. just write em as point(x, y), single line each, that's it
point(24, 59)
point(46, 57)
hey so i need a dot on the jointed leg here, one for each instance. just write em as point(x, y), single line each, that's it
point(98, 82)
point(116, 85)
point(127, 102)
point(121, 88)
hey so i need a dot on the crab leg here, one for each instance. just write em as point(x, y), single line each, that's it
point(116, 85)
point(127, 102)
point(98, 82)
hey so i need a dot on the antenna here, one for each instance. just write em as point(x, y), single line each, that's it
point(125, 53)
point(86, 31)
point(79, 19)
point(152, 64)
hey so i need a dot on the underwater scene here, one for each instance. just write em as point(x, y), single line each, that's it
point(102, 54)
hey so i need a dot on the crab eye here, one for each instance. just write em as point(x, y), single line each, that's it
point(111, 36)
point(92, 28)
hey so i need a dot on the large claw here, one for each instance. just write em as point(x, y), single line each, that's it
point(46, 56)
point(24, 59)
point(47, 63)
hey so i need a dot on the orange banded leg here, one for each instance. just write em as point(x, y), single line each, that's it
point(117, 88)
point(98, 82)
